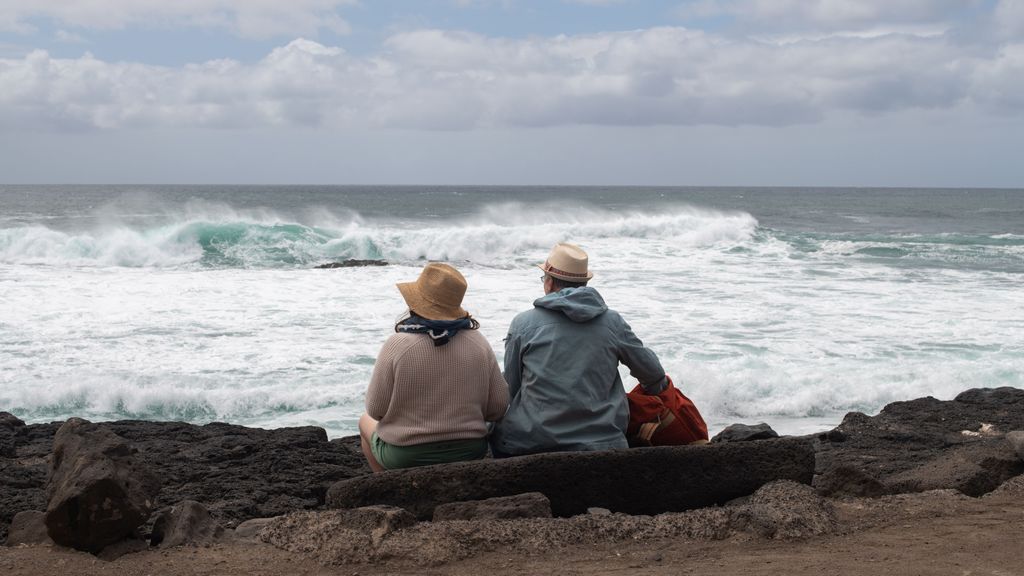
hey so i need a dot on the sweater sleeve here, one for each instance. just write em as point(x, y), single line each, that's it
point(497, 393)
point(382, 383)
point(643, 363)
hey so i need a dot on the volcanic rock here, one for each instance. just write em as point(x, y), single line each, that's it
point(1016, 440)
point(682, 477)
point(187, 523)
point(745, 433)
point(352, 263)
point(28, 527)
point(529, 505)
point(99, 493)
point(919, 445)
point(10, 427)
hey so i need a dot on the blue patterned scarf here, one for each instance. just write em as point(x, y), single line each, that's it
point(440, 331)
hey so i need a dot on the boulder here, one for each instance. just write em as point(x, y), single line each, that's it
point(529, 505)
point(187, 523)
point(636, 481)
point(28, 527)
point(99, 493)
point(1016, 440)
point(745, 433)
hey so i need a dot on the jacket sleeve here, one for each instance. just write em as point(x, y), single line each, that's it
point(642, 362)
point(382, 383)
point(513, 366)
point(497, 393)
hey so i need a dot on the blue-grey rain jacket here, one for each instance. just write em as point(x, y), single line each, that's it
point(561, 365)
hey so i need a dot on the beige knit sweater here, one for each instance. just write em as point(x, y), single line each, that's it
point(424, 393)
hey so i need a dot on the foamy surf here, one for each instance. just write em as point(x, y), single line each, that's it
point(200, 311)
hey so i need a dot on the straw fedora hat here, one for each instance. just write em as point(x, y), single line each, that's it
point(567, 262)
point(437, 293)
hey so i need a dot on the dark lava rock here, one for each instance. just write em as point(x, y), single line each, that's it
point(10, 427)
point(187, 523)
point(28, 527)
point(238, 473)
point(921, 444)
point(352, 263)
point(1016, 440)
point(529, 505)
point(847, 481)
point(745, 433)
point(98, 492)
point(669, 478)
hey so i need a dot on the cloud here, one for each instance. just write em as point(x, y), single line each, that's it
point(825, 15)
point(248, 18)
point(444, 80)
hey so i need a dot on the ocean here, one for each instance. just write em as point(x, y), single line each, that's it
point(778, 305)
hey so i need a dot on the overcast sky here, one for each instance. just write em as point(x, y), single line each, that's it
point(703, 92)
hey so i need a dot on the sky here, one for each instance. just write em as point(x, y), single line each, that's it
point(476, 92)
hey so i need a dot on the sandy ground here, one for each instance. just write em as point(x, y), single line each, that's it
point(924, 534)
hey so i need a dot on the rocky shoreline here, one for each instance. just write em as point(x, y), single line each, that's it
point(324, 504)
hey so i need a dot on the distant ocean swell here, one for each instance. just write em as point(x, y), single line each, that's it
point(497, 236)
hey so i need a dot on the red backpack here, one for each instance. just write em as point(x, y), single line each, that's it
point(667, 419)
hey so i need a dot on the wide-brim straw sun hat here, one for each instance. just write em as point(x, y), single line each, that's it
point(437, 293)
point(567, 262)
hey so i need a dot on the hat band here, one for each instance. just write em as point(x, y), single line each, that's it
point(549, 268)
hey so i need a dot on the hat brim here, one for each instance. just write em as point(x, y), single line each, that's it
point(425, 308)
point(554, 274)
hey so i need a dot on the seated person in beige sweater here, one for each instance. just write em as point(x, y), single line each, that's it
point(436, 382)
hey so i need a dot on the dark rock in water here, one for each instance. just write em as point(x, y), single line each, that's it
point(681, 477)
point(238, 473)
point(1016, 440)
point(529, 505)
point(927, 443)
point(187, 523)
point(98, 492)
point(745, 433)
point(352, 263)
point(28, 527)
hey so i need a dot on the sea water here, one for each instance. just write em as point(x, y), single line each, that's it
point(788, 306)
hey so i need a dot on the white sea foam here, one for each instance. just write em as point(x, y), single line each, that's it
point(119, 321)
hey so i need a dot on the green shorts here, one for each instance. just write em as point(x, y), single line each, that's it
point(391, 456)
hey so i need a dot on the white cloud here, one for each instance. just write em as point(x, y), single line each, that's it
point(250, 18)
point(826, 15)
point(431, 79)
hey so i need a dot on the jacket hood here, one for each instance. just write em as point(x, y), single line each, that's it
point(578, 304)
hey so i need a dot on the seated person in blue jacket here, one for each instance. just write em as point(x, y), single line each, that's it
point(561, 365)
